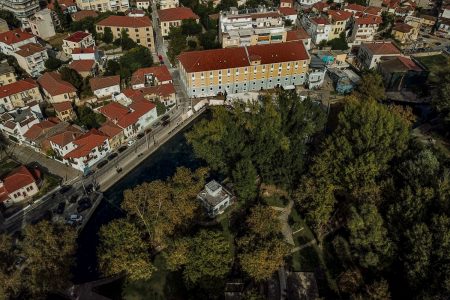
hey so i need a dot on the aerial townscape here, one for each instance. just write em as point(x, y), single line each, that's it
point(225, 149)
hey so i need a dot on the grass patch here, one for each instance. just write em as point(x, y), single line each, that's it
point(433, 60)
point(164, 284)
point(6, 166)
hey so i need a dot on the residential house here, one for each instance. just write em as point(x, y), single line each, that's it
point(64, 111)
point(214, 198)
point(423, 23)
point(62, 142)
point(339, 20)
point(401, 73)
point(31, 57)
point(287, 9)
point(15, 123)
point(139, 29)
point(36, 136)
point(144, 4)
point(22, 10)
point(242, 69)
point(370, 54)
point(166, 4)
point(164, 93)
point(7, 74)
point(86, 67)
point(443, 28)
point(248, 27)
point(114, 133)
point(91, 53)
point(299, 34)
point(89, 149)
point(41, 24)
point(319, 7)
point(67, 6)
point(3, 26)
point(83, 14)
point(104, 5)
point(135, 13)
point(155, 84)
point(19, 94)
point(316, 73)
point(173, 17)
point(105, 86)
point(405, 33)
point(364, 29)
point(79, 39)
point(11, 41)
point(19, 185)
point(134, 118)
point(344, 80)
point(55, 89)
point(308, 2)
point(318, 28)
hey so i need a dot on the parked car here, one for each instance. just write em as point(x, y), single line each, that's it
point(76, 218)
point(82, 206)
point(88, 173)
point(140, 136)
point(165, 123)
point(131, 142)
point(112, 156)
point(156, 124)
point(61, 207)
point(122, 148)
point(64, 189)
point(165, 118)
point(102, 164)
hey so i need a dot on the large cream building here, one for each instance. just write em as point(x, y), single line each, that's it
point(104, 5)
point(139, 29)
point(241, 69)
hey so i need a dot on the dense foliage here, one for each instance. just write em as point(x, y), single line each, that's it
point(135, 58)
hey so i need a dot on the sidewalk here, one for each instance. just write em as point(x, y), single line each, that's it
point(26, 155)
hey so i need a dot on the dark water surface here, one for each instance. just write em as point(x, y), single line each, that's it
point(160, 165)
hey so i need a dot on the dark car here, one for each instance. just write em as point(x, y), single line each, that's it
point(84, 204)
point(121, 149)
point(165, 123)
point(64, 189)
point(102, 164)
point(112, 156)
point(73, 198)
point(89, 188)
point(156, 124)
point(88, 173)
point(60, 208)
point(140, 136)
point(164, 118)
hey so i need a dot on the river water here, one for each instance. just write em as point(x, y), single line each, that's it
point(160, 165)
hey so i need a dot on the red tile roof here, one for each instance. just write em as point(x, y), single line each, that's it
point(355, 7)
point(177, 13)
point(18, 179)
point(162, 90)
point(114, 111)
point(97, 83)
point(29, 49)
point(217, 59)
point(82, 65)
point(402, 27)
point(82, 14)
point(373, 10)
point(160, 72)
point(288, 11)
point(37, 129)
point(17, 87)
point(83, 50)
point(339, 15)
point(70, 134)
point(320, 6)
point(64, 4)
point(366, 20)
point(320, 21)
point(54, 85)
point(62, 106)
point(14, 36)
point(110, 129)
point(86, 142)
point(125, 21)
point(297, 35)
point(77, 37)
point(381, 48)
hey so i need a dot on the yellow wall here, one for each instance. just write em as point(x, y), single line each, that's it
point(7, 78)
point(143, 35)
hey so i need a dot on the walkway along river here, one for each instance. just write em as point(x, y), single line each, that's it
point(160, 165)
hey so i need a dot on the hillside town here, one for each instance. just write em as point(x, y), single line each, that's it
point(87, 82)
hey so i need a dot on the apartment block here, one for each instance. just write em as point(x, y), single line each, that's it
point(173, 17)
point(139, 29)
point(242, 69)
point(166, 4)
point(7, 74)
point(339, 20)
point(57, 90)
point(12, 40)
point(364, 29)
point(31, 57)
point(79, 39)
point(19, 94)
point(104, 5)
point(249, 27)
point(370, 54)
point(22, 9)
point(319, 28)
point(41, 24)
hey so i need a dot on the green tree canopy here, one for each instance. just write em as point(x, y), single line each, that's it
point(371, 86)
point(190, 27)
point(52, 63)
point(72, 76)
point(107, 35)
point(88, 118)
point(177, 43)
point(10, 18)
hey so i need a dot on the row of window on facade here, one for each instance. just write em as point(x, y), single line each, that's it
point(28, 189)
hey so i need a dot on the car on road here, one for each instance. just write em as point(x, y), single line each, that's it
point(61, 207)
point(156, 124)
point(140, 135)
point(64, 189)
point(102, 164)
point(83, 205)
point(88, 173)
point(112, 156)
point(122, 148)
point(76, 218)
point(165, 118)
point(131, 142)
point(165, 123)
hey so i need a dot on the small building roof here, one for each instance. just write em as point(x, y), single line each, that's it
point(98, 83)
point(383, 48)
point(17, 87)
point(86, 142)
point(54, 85)
point(125, 21)
point(400, 64)
point(82, 14)
point(297, 35)
point(176, 13)
point(160, 72)
point(403, 27)
point(62, 106)
point(37, 129)
point(70, 134)
point(288, 11)
point(14, 36)
point(29, 49)
point(88, 50)
point(110, 129)
point(82, 65)
point(77, 37)
point(18, 179)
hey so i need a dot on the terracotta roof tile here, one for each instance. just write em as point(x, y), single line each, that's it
point(29, 49)
point(82, 65)
point(402, 27)
point(160, 72)
point(83, 50)
point(162, 90)
point(14, 36)
point(54, 85)
point(86, 142)
point(17, 87)
point(110, 129)
point(177, 13)
point(365, 20)
point(288, 11)
point(62, 106)
point(280, 52)
point(381, 48)
point(18, 179)
point(125, 21)
point(297, 35)
point(103, 82)
point(114, 110)
point(37, 129)
point(320, 21)
point(355, 7)
point(70, 134)
point(82, 14)
point(77, 36)
point(339, 15)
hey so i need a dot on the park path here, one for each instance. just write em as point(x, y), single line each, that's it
point(284, 218)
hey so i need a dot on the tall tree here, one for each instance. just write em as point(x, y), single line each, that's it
point(177, 43)
point(72, 76)
point(244, 178)
point(122, 249)
point(440, 82)
point(107, 35)
point(372, 86)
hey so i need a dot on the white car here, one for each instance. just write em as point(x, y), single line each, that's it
point(76, 218)
point(130, 142)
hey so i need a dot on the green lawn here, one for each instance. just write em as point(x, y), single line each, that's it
point(434, 60)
